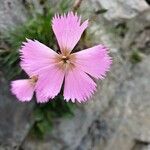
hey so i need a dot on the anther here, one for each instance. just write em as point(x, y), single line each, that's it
point(65, 59)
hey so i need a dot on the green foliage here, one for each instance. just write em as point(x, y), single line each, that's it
point(135, 57)
point(45, 113)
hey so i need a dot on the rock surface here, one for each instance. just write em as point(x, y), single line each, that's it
point(118, 116)
point(12, 12)
point(121, 9)
point(15, 118)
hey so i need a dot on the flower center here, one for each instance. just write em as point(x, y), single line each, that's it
point(65, 59)
point(33, 80)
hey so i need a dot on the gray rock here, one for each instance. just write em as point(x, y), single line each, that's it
point(16, 118)
point(131, 107)
point(120, 9)
point(141, 146)
point(138, 34)
point(147, 148)
point(12, 12)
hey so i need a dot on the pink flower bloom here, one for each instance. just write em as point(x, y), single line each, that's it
point(72, 70)
point(24, 89)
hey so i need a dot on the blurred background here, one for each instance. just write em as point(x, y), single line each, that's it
point(118, 115)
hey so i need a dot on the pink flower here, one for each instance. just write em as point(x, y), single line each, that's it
point(72, 71)
point(24, 89)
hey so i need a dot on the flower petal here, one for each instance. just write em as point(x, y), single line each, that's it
point(68, 30)
point(50, 81)
point(35, 56)
point(40, 98)
point(95, 61)
point(23, 89)
point(78, 86)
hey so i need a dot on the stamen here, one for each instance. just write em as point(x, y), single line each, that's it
point(33, 80)
point(65, 59)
